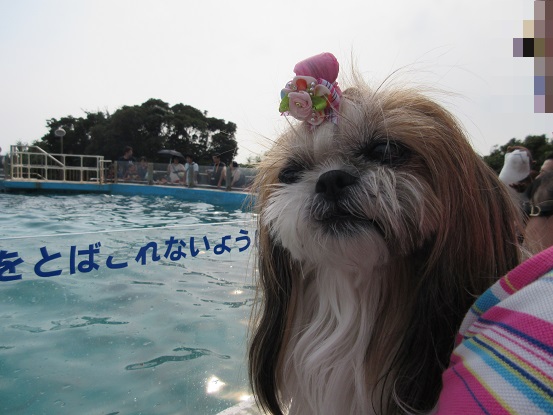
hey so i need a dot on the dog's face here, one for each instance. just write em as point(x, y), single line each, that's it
point(375, 180)
point(375, 234)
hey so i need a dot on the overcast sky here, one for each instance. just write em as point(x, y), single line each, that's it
point(231, 58)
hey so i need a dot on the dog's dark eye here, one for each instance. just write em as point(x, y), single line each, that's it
point(290, 174)
point(388, 153)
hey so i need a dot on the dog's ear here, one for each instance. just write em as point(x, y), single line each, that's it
point(276, 273)
point(492, 224)
point(474, 244)
point(476, 247)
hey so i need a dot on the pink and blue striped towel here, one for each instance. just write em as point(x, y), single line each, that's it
point(503, 360)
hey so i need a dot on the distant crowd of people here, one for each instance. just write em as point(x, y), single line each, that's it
point(187, 174)
point(218, 174)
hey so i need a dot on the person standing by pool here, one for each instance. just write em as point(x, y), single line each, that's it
point(238, 178)
point(132, 174)
point(175, 170)
point(219, 171)
point(142, 168)
point(192, 169)
point(124, 162)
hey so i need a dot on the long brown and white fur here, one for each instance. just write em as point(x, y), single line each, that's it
point(375, 237)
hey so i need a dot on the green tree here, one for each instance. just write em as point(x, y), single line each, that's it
point(148, 128)
point(74, 140)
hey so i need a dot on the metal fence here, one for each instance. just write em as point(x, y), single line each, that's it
point(33, 163)
point(160, 174)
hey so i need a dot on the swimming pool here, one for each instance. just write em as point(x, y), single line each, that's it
point(123, 305)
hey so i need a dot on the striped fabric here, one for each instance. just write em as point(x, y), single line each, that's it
point(335, 93)
point(503, 360)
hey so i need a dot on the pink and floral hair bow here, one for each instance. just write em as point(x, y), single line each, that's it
point(313, 95)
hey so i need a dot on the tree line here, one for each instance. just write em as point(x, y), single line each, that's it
point(147, 128)
point(539, 145)
point(154, 125)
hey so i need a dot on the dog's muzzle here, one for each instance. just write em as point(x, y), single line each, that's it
point(331, 196)
point(332, 184)
point(333, 208)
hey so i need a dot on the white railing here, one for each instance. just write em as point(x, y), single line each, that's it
point(33, 163)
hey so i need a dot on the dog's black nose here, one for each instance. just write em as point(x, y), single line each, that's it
point(332, 183)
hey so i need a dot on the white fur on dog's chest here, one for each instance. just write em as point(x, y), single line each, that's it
point(324, 369)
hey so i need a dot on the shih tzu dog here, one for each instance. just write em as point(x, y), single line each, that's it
point(378, 227)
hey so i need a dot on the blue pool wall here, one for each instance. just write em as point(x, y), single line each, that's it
point(214, 196)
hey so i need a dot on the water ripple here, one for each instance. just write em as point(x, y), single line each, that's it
point(65, 214)
point(89, 321)
point(193, 354)
point(231, 304)
point(147, 283)
point(60, 325)
point(24, 327)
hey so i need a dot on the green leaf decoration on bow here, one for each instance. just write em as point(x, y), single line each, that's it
point(284, 104)
point(319, 103)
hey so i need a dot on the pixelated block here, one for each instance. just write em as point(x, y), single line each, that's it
point(548, 10)
point(549, 47)
point(549, 103)
point(539, 28)
point(539, 66)
point(539, 85)
point(539, 47)
point(528, 28)
point(517, 47)
point(539, 10)
point(527, 47)
point(539, 103)
point(548, 66)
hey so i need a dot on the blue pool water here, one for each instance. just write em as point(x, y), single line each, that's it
point(131, 334)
